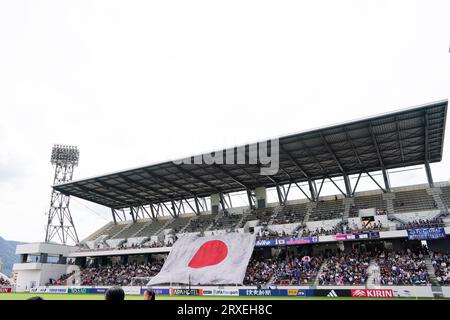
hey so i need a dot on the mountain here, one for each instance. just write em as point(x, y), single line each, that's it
point(8, 255)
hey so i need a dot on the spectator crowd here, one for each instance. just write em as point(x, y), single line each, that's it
point(119, 274)
point(345, 269)
point(291, 269)
point(403, 268)
point(62, 280)
point(4, 282)
point(441, 265)
point(422, 223)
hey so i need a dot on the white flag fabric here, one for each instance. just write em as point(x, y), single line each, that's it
point(209, 260)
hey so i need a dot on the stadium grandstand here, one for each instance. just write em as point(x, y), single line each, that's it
point(387, 237)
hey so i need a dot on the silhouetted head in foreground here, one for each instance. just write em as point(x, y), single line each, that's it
point(149, 295)
point(115, 294)
point(35, 298)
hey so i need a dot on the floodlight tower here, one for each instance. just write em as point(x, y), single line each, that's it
point(60, 222)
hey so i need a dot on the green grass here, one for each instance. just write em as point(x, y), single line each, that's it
point(59, 296)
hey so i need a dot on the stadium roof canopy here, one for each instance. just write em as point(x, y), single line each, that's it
point(408, 137)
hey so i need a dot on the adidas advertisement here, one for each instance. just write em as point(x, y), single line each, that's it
point(332, 293)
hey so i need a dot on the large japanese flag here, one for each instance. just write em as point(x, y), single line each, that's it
point(221, 259)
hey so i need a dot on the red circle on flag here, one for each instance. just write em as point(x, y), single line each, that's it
point(210, 253)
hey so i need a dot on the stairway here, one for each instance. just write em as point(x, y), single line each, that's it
point(76, 276)
point(348, 202)
point(143, 227)
point(218, 216)
point(188, 224)
point(374, 278)
point(396, 218)
point(435, 286)
point(316, 280)
point(389, 198)
point(246, 212)
point(163, 227)
point(309, 208)
point(98, 233)
point(436, 194)
point(120, 231)
point(274, 214)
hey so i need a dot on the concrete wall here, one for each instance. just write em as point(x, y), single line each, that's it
point(36, 274)
point(49, 248)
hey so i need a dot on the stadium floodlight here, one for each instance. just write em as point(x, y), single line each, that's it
point(60, 223)
point(65, 154)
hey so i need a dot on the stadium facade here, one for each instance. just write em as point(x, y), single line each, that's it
point(344, 244)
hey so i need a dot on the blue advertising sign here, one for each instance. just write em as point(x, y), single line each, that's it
point(285, 241)
point(258, 292)
point(426, 234)
point(157, 291)
point(275, 292)
point(265, 243)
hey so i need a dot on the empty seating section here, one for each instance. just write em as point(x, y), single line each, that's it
point(114, 229)
point(177, 224)
point(130, 231)
point(327, 210)
point(226, 222)
point(247, 217)
point(151, 229)
point(97, 233)
point(415, 200)
point(365, 202)
point(445, 196)
point(200, 223)
point(291, 214)
point(264, 215)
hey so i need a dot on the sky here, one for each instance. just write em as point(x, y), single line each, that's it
point(137, 82)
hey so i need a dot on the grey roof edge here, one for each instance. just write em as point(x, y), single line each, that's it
point(306, 131)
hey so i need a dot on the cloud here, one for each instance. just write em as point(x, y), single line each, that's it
point(142, 82)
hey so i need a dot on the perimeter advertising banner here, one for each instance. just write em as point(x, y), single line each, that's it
point(300, 292)
point(48, 290)
point(221, 292)
point(373, 293)
point(426, 234)
point(358, 236)
point(285, 241)
point(332, 293)
point(157, 291)
point(275, 292)
point(87, 290)
point(186, 292)
point(5, 290)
